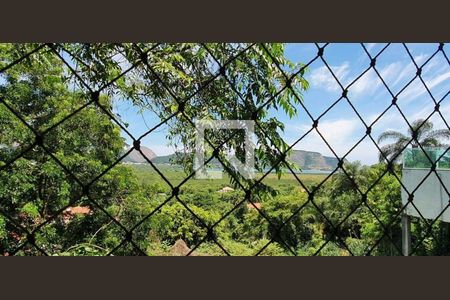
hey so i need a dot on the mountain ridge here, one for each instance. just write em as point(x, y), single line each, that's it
point(306, 160)
point(136, 157)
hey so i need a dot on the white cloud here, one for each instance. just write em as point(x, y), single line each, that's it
point(161, 150)
point(416, 88)
point(322, 77)
point(437, 80)
point(419, 59)
point(391, 120)
point(370, 82)
point(365, 152)
point(425, 111)
point(393, 74)
point(397, 74)
point(408, 70)
point(370, 46)
point(390, 71)
point(339, 130)
point(438, 122)
point(341, 134)
point(366, 84)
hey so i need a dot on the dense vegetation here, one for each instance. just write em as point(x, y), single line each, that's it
point(245, 231)
point(59, 164)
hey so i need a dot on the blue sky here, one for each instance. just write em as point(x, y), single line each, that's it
point(341, 126)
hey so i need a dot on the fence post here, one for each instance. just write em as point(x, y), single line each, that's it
point(406, 234)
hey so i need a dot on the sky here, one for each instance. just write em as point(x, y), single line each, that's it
point(340, 126)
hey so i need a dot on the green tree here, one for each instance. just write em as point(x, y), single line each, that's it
point(35, 187)
point(178, 83)
point(50, 161)
point(422, 134)
point(382, 224)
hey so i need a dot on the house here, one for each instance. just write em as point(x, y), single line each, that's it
point(226, 189)
point(255, 205)
point(72, 211)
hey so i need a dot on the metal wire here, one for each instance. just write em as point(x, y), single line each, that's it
point(60, 51)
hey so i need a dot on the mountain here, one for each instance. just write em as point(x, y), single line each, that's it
point(137, 158)
point(307, 160)
point(169, 159)
point(166, 159)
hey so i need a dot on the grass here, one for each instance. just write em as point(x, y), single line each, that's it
point(175, 175)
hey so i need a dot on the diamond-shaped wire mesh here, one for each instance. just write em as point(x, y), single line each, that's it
point(315, 211)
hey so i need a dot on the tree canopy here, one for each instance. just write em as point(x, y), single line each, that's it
point(420, 133)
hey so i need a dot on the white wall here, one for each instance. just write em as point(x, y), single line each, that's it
point(430, 198)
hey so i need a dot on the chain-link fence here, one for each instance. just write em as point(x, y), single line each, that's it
point(33, 160)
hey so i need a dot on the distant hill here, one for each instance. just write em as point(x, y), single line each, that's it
point(137, 158)
point(167, 159)
point(307, 160)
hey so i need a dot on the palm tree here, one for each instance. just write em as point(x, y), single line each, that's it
point(425, 136)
